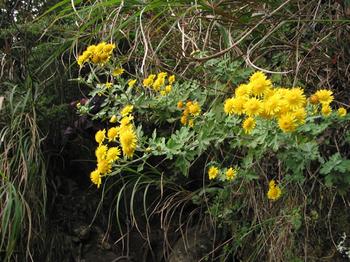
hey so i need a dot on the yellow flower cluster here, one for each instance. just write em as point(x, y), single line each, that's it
point(96, 54)
point(159, 83)
point(191, 110)
point(274, 192)
point(324, 98)
point(258, 98)
point(230, 173)
point(107, 156)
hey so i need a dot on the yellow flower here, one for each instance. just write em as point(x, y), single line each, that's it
point(113, 154)
point(113, 119)
point(213, 172)
point(158, 83)
point(313, 99)
point(180, 105)
point(287, 122)
point(273, 105)
point(95, 178)
point(147, 82)
point(131, 83)
point(108, 84)
point(259, 83)
point(168, 88)
point(234, 105)
point(101, 152)
point(295, 98)
point(326, 110)
point(253, 107)
point(128, 142)
point(248, 125)
point(117, 72)
point(126, 110)
point(231, 173)
point(103, 167)
point(95, 59)
point(191, 123)
point(243, 90)
point(112, 133)
point(274, 192)
point(163, 93)
point(125, 122)
point(194, 109)
point(183, 120)
point(342, 111)
point(91, 49)
point(300, 115)
point(108, 48)
point(324, 96)
point(171, 79)
point(100, 136)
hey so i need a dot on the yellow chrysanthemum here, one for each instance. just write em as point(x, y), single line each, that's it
point(183, 120)
point(95, 178)
point(131, 83)
point(234, 105)
point(274, 192)
point(162, 75)
point(108, 48)
point(180, 104)
point(248, 125)
point(113, 154)
point(147, 82)
point(171, 79)
point(313, 100)
point(96, 54)
point(259, 83)
point(253, 107)
point(284, 108)
point(295, 98)
point(300, 115)
point(194, 109)
point(101, 152)
point(287, 122)
point(126, 110)
point(230, 173)
point(168, 88)
point(324, 96)
point(257, 75)
point(326, 110)
point(91, 49)
point(108, 84)
point(100, 136)
point(265, 111)
point(342, 111)
point(103, 167)
point(125, 122)
point(113, 119)
point(128, 142)
point(118, 71)
point(191, 123)
point(273, 105)
point(243, 90)
point(281, 91)
point(213, 172)
point(158, 83)
point(112, 133)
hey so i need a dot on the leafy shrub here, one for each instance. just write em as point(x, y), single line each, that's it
point(246, 141)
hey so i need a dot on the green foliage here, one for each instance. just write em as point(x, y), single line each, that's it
point(336, 173)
